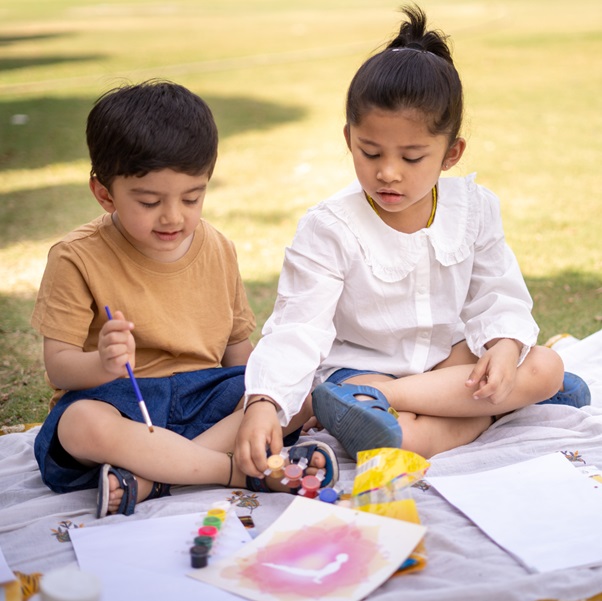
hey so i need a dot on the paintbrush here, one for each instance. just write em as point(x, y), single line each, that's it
point(141, 402)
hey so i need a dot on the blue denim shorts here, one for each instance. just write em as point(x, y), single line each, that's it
point(340, 375)
point(186, 403)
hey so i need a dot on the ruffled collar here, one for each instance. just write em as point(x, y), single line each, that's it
point(392, 255)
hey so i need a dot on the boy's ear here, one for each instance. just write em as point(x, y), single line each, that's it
point(102, 195)
point(454, 154)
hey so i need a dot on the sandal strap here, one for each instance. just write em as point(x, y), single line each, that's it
point(159, 489)
point(298, 452)
point(257, 484)
point(127, 481)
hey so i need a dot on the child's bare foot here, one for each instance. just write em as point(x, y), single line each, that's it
point(119, 491)
point(116, 492)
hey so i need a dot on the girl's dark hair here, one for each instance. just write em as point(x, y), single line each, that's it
point(154, 125)
point(415, 71)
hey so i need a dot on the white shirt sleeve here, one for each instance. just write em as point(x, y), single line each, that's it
point(300, 332)
point(498, 304)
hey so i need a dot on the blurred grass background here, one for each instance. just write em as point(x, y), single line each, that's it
point(275, 74)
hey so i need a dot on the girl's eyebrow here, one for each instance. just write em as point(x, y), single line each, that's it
point(402, 147)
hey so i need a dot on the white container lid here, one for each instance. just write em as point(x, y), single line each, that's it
point(69, 584)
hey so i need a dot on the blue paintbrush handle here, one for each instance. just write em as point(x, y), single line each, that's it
point(135, 385)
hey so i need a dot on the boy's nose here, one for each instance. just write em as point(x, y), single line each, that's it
point(170, 214)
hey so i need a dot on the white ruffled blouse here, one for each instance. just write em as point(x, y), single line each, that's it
point(355, 293)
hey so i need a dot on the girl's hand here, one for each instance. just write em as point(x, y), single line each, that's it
point(495, 372)
point(260, 429)
point(116, 345)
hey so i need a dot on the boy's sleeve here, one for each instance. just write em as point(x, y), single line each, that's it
point(243, 319)
point(64, 305)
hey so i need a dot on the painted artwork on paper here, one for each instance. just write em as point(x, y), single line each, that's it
point(317, 551)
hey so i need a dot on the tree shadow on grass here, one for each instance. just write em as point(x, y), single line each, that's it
point(54, 128)
point(18, 62)
point(52, 212)
point(7, 40)
point(30, 215)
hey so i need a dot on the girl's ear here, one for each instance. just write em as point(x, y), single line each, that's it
point(454, 154)
point(102, 195)
point(347, 135)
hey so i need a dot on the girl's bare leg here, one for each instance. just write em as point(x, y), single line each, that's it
point(443, 392)
point(425, 434)
point(436, 409)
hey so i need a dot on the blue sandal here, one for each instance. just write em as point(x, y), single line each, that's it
point(357, 425)
point(575, 393)
point(304, 450)
point(129, 484)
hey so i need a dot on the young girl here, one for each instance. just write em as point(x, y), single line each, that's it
point(400, 292)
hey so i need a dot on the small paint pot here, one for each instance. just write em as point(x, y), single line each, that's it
point(310, 485)
point(211, 520)
point(217, 513)
point(198, 556)
point(204, 541)
point(328, 495)
point(275, 466)
point(211, 531)
point(292, 475)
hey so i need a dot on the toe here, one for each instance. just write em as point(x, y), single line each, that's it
point(115, 494)
point(318, 462)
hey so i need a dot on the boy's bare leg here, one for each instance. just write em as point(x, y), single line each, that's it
point(221, 436)
point(94, 432)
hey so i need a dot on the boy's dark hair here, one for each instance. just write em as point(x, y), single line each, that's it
point(415, 71)
point(154, 125)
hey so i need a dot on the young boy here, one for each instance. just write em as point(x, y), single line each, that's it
point(153, 260)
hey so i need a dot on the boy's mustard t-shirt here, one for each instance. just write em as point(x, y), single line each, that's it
point(185, 313)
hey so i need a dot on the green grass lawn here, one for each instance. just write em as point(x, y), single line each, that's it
point(275, 74)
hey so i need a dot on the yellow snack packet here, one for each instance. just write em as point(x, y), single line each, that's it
point(382, 474)
point(407, 511)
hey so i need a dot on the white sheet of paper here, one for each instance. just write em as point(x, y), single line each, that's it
point(316, 550)
point(149, 559)
point(542, 511)
point(6, 574)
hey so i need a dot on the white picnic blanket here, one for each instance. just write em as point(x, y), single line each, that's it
point(463, 564)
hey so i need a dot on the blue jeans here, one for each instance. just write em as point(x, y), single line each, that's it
point(343, 374)
point(186, 403)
